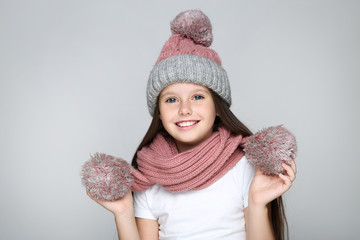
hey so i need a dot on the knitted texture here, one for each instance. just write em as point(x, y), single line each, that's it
point(106, 177)
point(269, 148)
point(185, 57)
point(195, 169)
point(178, 45)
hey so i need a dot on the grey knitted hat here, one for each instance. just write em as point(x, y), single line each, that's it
point(186, 57)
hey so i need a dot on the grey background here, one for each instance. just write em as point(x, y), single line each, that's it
point(72, 82)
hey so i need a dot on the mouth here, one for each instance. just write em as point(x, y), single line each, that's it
point(186, 123)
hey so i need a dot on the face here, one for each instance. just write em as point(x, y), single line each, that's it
point(187, 112)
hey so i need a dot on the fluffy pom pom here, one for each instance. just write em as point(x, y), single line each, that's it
point(269, 148)
point(106, 177)
point(193, 24)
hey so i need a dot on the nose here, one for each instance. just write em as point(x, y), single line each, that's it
point(185, 108)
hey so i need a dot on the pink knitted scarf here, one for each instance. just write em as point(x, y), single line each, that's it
point(198, 168)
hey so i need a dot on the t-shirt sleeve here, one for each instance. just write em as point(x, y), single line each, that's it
point(246, 174)
point(141, 206)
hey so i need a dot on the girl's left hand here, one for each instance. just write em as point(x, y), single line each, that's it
point(265, 188)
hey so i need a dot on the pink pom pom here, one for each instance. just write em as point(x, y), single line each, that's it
point(269, 148)
point(193, 24)
point(106, 177)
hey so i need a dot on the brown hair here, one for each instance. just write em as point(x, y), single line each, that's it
point(226, 118)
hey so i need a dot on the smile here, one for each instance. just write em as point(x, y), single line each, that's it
point(186, 123)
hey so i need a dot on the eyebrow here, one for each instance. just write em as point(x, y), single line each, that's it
point(174, 92)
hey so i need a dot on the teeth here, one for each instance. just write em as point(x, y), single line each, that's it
point(186, 124)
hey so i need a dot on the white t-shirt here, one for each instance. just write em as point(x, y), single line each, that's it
point(216, 212)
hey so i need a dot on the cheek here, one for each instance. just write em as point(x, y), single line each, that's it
point(213, 116)
point(165, 115)
point(162, 112)
point(167, 110)
point(210, 112)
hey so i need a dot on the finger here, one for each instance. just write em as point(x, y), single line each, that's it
point(287, 181)
point(293, 166)
point(289, 170)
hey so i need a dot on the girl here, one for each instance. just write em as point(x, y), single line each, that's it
point(192, 180)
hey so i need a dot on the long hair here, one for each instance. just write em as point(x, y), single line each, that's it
point(226, 118)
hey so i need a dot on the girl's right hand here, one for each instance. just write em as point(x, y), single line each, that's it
point(117, 207)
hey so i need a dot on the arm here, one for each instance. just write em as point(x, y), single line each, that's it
point(123, 211)
point(264, 189)
point(258, 226)
point(148, 229)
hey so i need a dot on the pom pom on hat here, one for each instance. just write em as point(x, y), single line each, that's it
point(269, 148)
point(193, 24)
point(106, 177)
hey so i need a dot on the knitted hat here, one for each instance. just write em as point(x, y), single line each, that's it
point(186, 57)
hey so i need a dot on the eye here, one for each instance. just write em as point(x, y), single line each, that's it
point(170, 100)
point(198, 97)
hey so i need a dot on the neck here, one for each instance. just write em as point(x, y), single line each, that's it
point(183, 147)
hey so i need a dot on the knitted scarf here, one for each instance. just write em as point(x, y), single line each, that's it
point(195, 169)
